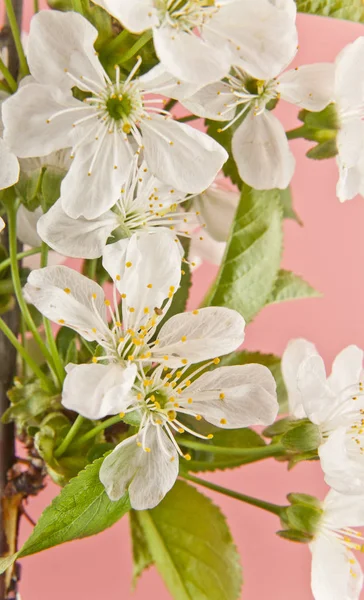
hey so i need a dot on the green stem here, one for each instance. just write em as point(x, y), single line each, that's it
point(23, 353)
point(16, 35)
point(93, 432)
point(144, 39)
point(48, 328)
point(272, 508)
point(23, 334)
point(8, 76)
point(18, 288)
point(115, 43)
point(187, 118)
point(36, 6)
point(77, 6)
point(7, 262)
point(69, 437)
point(293, 134)
point(250, 453)
point(170, 104)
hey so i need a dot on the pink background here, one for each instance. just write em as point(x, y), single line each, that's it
point(329, 252)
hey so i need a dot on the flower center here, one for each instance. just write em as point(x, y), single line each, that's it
point(119, 107)
point(185, 14)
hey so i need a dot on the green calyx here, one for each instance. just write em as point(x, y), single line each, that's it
point(301, 519)
point(119, 107)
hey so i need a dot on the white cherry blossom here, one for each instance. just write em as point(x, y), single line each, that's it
point(336, 573)
point(9, 165)
point(349, 101)
point(335, 404)
point(147, 463)
point(145, 204)
point(259, 143)
point(198, 40)
point(115, 120)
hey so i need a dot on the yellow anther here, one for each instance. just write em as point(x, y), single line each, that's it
point(172, 459)
point(130, 357)
point(139, 396)
point(195, 312)
point(94, 359)
point(121, 340)
point(222, 396)
point(146, 310)
point(181, 430)
point(139, 444)
point(189, 400)
point(188, 456)
point(123, 296)
point(61, 321)
point(183, 338)
point(355, 397)
point(107, 302)
point(150, 285)
point(210, 436)
point(188, 383)
point(147, 449)
point(216, 361)
point(128, 264)
point(117, 277)
point(184, 361)
point(166, 357)
point(121, 415)
point(131, 309)
point(172, 415)
point(126, 128)
point(223, 421)
point(157, 405)
point(179, 374)
point(67, 290)
point(198, 417)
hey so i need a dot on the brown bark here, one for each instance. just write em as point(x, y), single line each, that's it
point(9, 507)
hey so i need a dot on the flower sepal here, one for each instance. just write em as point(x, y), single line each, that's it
point(301, 519)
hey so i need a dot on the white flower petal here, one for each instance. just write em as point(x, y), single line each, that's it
point(79, 238)
point(343, 468)
point(209, 332)
point(30, 129)
point(206, 249)
point(189, 57)
point(146, 268)
point(61, 42)
point(65, 296)
point(349, 70)
point(261, 151)
point(310, 86)
point(233, 397)
point(26, 226)
point(346, 368)
point(91, 186)
point(148, 475)
point(160, 81)
point(191, 158)
point(136, 16)
point(331, 577)
point(254, 28)
point(9, 167)
point(211, 102)
point(317, 399)
point(350, 142)
point(342, 510)
point(351, 180)
point(96, 391)
point(293, 356)
point(217, 207)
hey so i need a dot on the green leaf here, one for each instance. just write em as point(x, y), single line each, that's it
point(271, 361)
point(351, 10)
point(192, 547)
point(81, 509)
point(142, 558)
point(289, 286)
point(323, 150)
point(233, 438)
point(253, 253)
point(287, 204)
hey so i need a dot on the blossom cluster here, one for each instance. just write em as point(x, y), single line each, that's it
point(136, 182)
